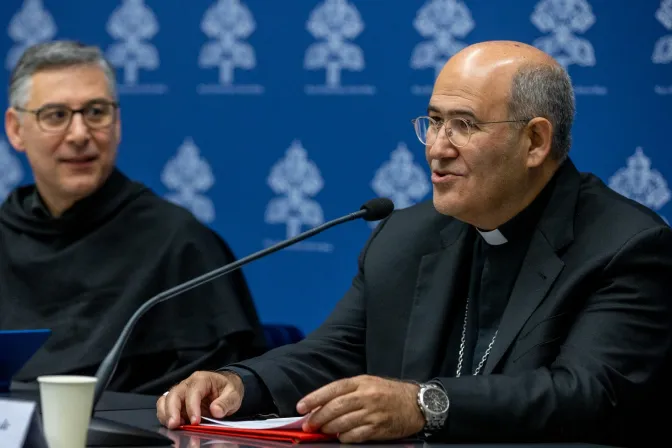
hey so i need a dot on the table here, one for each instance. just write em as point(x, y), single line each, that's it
point(140, 411)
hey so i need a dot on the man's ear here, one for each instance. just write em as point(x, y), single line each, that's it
point(540, 134)
point(13, 129)
point(118, 126)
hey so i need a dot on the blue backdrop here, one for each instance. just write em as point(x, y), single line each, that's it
point(268, 117)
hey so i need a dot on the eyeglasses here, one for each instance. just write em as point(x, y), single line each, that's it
point(57, 117)
point(458, 130)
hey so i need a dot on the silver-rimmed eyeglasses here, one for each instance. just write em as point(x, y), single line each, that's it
point(458, 130)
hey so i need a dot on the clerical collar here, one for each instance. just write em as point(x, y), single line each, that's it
point(523, 223)
point(493, 237)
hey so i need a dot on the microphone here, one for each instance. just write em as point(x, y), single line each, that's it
point(373, 210)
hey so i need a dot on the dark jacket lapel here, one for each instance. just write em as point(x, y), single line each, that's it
point(437, 279)
point(541, 265)
point(540, 268)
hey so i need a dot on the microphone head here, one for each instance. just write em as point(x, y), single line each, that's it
point(377, 209)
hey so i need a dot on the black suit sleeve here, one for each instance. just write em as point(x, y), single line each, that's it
point(334, 351)
point(256, 399)
point(605, 369)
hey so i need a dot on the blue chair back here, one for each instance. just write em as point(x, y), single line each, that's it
point(279, 334)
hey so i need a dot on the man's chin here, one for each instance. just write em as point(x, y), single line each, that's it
point(81, 186)
point(446, 205)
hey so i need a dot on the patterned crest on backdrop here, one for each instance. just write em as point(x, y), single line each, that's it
point(267, 118)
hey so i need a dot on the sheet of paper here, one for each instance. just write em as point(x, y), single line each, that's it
point(271, 423)
point(15, 418)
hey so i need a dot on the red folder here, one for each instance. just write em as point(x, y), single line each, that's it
point(279, 435)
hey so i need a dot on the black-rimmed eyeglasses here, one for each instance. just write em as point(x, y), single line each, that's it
point(55, 118)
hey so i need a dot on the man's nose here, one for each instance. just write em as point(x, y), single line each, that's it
point(442, 148)
point(78, 131)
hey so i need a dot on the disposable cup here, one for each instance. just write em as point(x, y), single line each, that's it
point(67, 402)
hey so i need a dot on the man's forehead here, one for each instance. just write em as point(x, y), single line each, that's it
point(464, 102)
point(77, 84)
point(448, 105)
point(465, 93)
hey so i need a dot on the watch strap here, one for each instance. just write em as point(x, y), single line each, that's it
point(434, 422)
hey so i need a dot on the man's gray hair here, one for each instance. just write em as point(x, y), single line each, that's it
point(546, 91)
point(54, 54)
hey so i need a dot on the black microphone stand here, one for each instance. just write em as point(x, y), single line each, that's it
point(109, 433)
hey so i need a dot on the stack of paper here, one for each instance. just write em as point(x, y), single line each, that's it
point(278, 429)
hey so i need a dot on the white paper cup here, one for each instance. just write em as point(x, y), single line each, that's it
point(67, 402)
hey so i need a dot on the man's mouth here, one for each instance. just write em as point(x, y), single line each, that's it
point(80, 160)
point(439, 176)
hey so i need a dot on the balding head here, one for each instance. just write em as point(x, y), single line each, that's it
point(519, 77)
point(501, 53)
point(488, 68)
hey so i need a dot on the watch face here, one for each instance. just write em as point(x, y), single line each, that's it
point(435, 400)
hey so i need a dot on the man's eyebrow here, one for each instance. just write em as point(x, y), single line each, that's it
point(451, 112)
point(88, 103)
point(45, 105)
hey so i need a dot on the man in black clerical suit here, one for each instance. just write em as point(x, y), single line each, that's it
point(85, 247)
point(527, 302)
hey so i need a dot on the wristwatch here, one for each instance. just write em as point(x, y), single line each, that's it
point(433, 402)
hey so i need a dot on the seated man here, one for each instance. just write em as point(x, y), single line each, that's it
point(528, 302)
point(85, 247)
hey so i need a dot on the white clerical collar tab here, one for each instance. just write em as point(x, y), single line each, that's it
point(493, 237)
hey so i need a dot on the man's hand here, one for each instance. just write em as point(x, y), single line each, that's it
point(204, 393)
point(364, 408)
